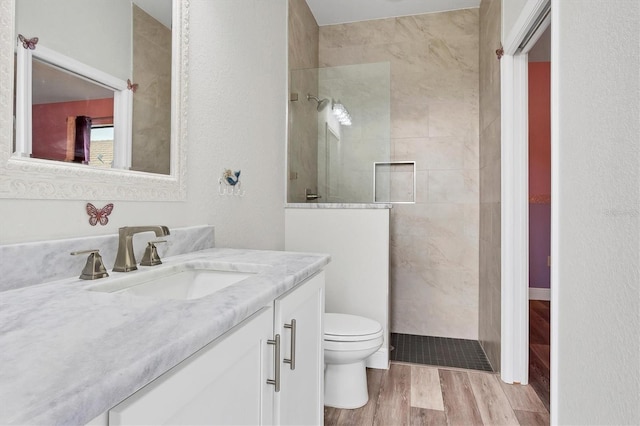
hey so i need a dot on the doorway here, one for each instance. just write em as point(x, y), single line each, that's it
point(539, 141)
point(534, 19)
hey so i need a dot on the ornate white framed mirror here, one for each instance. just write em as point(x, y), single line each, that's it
point(23, 176)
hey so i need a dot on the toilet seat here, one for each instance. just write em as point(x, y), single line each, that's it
point(350, 328)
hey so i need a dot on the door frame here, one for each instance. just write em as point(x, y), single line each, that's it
point(515, 195)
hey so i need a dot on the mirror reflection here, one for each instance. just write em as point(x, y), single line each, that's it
point(73, 116)
point(151, 125)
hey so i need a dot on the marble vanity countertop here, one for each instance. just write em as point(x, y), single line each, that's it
point(338, 205)
point(68, 354)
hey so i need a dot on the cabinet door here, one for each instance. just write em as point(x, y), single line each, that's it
point(300, 400)
point(225, 383)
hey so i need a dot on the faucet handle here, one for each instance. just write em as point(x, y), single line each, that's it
point(151, 256)
point(94, 268)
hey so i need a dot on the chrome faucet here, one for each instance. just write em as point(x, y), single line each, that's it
point(126, 259)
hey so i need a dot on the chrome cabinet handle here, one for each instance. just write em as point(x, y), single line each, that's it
point(292, 361)
point(276, 363)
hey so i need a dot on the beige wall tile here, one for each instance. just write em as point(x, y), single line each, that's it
point(490, 181)
point(489, 160)
point(471, 151)
point(151, 127)
point(409, 120)
point(460, 186)
point(358, 33)
point(335, 56)
point(303, 36)
point(303, 119)
point(412, 28)
point(490, 151)
point(461, 23)
point(453, 118)
point(410, 88)
point(457, 55)
point(452, 253)
point(472, 221)
point(452, 294)
point(401, 187)
point(441, 220)
point(436, 153)
point(405, 58)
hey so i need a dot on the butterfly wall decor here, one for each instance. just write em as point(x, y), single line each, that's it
point(132, 86)
point(99, 215)
point(28, 43)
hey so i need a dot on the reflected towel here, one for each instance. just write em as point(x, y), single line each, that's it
point(71, 138)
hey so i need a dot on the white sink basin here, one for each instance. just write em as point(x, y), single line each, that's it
point(180, 282)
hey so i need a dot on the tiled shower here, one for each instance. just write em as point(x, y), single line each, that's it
point(434, 121)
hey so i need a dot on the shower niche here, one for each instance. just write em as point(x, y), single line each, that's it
point(339, 127)
point(394, 182)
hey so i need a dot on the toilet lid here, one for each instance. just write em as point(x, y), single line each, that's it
point(345, 327)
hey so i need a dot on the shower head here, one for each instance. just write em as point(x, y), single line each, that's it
point(321, 102)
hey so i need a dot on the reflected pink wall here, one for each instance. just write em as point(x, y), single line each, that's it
point(539, 173)
point(50, 124)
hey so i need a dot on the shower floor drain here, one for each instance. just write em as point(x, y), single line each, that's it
point(439, 351)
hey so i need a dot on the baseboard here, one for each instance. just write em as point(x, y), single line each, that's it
point(536, 293)
point(379, 360)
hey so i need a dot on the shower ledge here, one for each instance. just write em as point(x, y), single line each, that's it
point(338, 205)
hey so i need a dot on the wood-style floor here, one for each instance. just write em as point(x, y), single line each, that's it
point(423, 395)
point(539, 344)
point(409, 394)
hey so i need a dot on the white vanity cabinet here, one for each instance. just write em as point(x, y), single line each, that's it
point(298, 321)
point(232, 380)
point(220, 384)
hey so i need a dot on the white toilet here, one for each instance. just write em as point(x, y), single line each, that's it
point(348, 341)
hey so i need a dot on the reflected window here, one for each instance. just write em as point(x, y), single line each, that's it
point(101, 151)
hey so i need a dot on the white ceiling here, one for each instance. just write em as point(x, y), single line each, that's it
point(159, 9)
point(330, 12)
point(52, 84)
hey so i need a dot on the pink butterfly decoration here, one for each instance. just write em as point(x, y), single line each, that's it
point(28, 43)
point(99, 215)
point(132, 86)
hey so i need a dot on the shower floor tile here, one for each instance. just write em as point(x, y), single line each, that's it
point(440, 351)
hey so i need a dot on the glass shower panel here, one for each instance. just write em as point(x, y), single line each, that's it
point(332, 159)
point(303, 136)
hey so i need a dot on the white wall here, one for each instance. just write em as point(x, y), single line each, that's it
point(596, 198)
point(357, 280)
point(237, 119)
